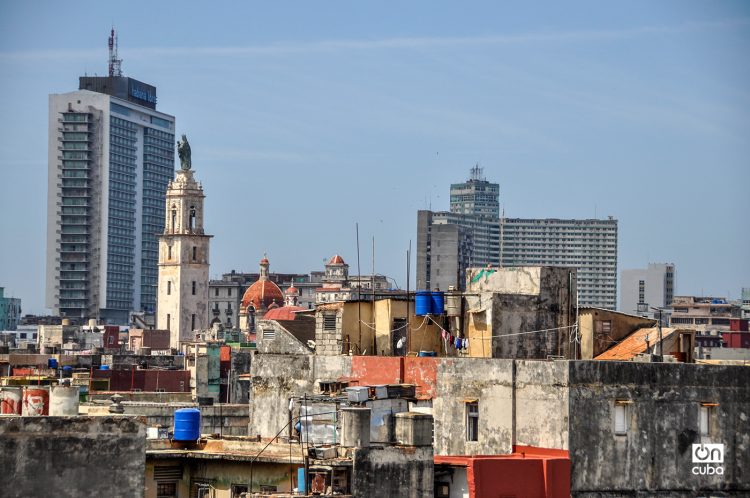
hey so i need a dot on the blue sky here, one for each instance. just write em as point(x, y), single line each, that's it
point(305, 118)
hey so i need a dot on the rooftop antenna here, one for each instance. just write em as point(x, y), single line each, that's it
point(476, 173)
point(115, 64)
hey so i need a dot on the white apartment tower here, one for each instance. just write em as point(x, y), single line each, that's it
point(111, 155)
point(643, 289)
point(183, 260)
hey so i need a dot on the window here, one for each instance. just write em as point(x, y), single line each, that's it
point(166, 489)
point(621, 418)
point(216, 292)
point(169, 252)
point(229, 292)
point(705, 420)
point(168, 320)
point(603, 326)
point(192, 218)
point(174, 218)
point(192, 321)
point(193, 287)
point(329, 321)
point(169, 287)
point(195, 253)
point(472, 421)
point(238, 489)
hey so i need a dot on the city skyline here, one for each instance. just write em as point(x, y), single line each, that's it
point(637, 113)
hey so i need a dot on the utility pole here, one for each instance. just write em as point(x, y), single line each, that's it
point(661, 346)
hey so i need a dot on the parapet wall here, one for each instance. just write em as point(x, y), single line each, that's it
point(72, 456)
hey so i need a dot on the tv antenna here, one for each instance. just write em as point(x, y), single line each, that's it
point(115, 64)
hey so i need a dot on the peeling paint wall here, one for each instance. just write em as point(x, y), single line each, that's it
point(541, 400)
point(490, 383)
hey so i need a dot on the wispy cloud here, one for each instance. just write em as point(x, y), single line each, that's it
point(324, 46)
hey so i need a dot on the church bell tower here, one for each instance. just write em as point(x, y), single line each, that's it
point(183, 257)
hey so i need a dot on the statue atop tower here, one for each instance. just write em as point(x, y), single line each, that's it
point(183, 151)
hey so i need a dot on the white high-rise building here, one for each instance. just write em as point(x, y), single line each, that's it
point(111, 156)
point(643, 289)
point(590, 246)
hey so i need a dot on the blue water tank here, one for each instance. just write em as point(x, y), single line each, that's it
point(427, 354)
point(438, 303)
point(67, 368)
point(187, 424)
point(51, 363)
point(423, 303)
point(301, 480)
point(104, 367)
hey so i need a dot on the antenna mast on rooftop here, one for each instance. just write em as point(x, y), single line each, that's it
point(115, 64)
point(476, 173)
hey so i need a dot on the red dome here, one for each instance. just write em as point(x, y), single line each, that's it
point(291, 291)
point(336, 260)
point(285, 313)
point(262, 294)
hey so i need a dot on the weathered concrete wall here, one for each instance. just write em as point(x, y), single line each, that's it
point(276, 378)
point(662, 417)
point(404, 471)
point(283, 341)
point(228, 420)
point(490, 383)
point(541, 404)
point(72, 456)
point(239, 387)
point(550, 309)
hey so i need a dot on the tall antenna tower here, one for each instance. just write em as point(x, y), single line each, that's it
point(115, 64)
point(477, 173)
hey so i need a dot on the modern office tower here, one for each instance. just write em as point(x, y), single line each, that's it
point(588, 245)
point(468, 235)
point(643, 289)
point(111, 156)
point(476, 196)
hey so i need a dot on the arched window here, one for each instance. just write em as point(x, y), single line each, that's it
point(192, 218)
point(174, 218)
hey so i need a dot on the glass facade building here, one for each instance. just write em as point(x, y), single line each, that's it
point(110, 160)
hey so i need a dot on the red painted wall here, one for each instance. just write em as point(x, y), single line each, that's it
point(738, 325)
point(173, 381)
point(111, 337)
point(376, 370)
point(421, 372)
point(527, 472)
point(736, 339)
